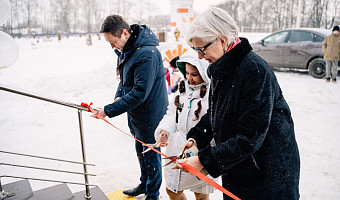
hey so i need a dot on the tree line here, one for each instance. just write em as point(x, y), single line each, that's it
point(280, 14)
point(82, 16)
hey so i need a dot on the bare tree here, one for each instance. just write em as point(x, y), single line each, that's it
point(28, 7)
point(233, 6)
point(63, 13)
point(334, 7)
point(53, 16)
point(87, 10)
point(14, 18)
point(316, 13)
point(75, 15)
point(259, 13)
point(144, 8)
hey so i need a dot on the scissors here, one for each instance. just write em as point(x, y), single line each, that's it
point(186, 153)
point(156, 145)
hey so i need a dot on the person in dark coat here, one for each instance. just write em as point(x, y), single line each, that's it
point(247, 135)
point(141, 93)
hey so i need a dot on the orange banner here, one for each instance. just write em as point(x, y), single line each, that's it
point(182, 10)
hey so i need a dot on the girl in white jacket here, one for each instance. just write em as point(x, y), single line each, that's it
point(184, 112)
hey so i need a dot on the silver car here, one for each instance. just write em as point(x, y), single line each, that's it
point(299, 48)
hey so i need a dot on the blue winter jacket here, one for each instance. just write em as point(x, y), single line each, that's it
point(142, 88)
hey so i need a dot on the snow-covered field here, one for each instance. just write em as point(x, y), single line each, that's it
point(71, 71)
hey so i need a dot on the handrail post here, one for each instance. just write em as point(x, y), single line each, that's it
point(87, 187)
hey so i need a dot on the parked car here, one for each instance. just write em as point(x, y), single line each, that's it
point(299, 48)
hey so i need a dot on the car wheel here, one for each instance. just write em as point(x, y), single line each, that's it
point(317, 68)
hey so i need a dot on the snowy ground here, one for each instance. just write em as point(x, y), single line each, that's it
point(71, 71)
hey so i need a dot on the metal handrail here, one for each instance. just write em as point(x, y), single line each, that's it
point(47, 158)
point(47, 169)
point(72, 105)
point(80, 109)
point(48, 180)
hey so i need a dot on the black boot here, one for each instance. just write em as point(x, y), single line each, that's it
point(328, 79)
point(334, 80)
point(152, 198)
point(140, 189)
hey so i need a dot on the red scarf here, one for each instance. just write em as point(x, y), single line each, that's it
point(233, 44)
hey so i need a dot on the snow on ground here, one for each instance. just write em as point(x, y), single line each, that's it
point(71, 71)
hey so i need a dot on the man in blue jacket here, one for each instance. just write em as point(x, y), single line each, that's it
point(141, 93)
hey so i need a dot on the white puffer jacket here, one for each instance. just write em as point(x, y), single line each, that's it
point(175, 179)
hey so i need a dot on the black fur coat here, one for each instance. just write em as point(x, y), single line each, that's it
point(256, 152)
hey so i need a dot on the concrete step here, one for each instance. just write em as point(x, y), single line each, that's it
point(96, 194)
point(22, 190)
point(57, 192)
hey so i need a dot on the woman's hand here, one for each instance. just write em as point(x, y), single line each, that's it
point(192, 161)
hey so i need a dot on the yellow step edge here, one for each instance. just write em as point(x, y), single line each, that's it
point(118, 195)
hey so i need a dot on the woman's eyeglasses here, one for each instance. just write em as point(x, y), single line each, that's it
point(202, 49)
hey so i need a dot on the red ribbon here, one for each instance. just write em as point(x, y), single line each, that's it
point(208, 180)
point(186, 166)
point(86, 105)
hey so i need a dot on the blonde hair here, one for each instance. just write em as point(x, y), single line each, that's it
point(211, 24)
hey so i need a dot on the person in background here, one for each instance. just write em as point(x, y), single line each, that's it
point(176, 76)
point(331, 51)
point(189, 105)
point(141, 93)
point(248, 119)
point(89, 40)
point(167, 78)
